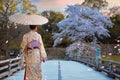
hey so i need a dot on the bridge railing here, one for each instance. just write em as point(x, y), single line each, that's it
point(112, 68)
point(9, 66)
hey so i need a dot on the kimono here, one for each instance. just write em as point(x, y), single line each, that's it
point(34, 53)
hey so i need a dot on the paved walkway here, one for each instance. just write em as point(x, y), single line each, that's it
point(64, 70)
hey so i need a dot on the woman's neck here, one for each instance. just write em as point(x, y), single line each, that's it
point(33, 31)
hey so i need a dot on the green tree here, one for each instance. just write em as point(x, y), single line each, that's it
point(50, 27)
point(114, 31)
point(95, 3)
point(46, 37)
point(54, 18)
point(27, 7)
point(9, 7)
point(115, 18)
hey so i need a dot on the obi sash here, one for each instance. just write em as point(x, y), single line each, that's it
point(35, 44)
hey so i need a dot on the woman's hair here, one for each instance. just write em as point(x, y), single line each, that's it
point(32, 27)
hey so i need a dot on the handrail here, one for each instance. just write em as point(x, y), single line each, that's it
point(112, 68)
point(111, 61)
point(9, 66)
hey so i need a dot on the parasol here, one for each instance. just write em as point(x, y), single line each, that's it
point(28, 19)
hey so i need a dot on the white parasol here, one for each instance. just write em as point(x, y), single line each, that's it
point(28, 19)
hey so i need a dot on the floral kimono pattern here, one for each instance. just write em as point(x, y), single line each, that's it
point(34, 52)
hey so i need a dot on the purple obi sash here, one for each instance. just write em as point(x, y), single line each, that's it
point(33, 44)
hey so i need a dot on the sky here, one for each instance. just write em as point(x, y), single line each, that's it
point(57, 5)
point(60, 5)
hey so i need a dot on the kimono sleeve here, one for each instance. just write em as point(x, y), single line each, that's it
point(24, 42)
point(42, 49)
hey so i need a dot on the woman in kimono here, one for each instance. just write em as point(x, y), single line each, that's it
point(34, 53)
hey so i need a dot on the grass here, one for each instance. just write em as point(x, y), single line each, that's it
point(112, 57)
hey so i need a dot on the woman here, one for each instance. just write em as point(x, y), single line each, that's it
point(34, 53)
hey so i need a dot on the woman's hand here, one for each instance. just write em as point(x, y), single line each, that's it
point(44, 59)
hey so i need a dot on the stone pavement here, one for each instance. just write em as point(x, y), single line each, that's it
point(64, 70)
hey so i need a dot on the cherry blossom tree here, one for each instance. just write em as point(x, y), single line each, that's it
point(81, 23)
